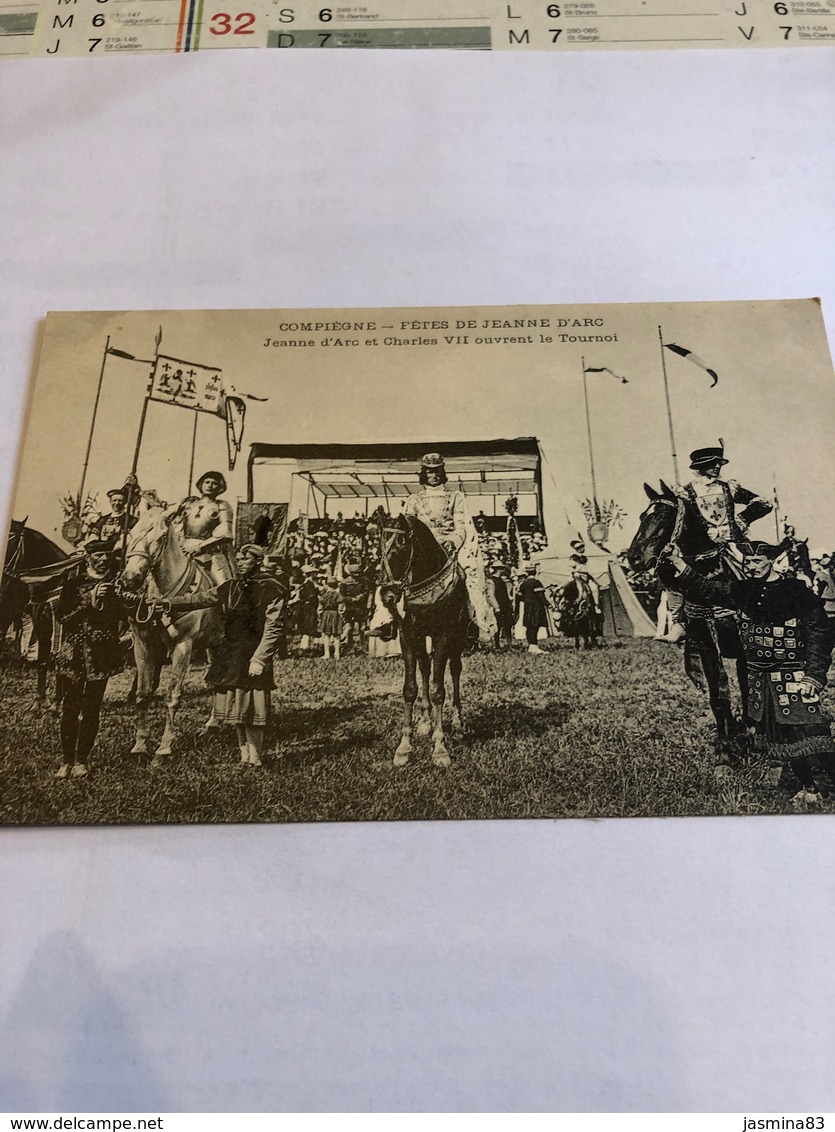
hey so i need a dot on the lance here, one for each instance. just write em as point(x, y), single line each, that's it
point(588, 432)
point(135, 463)
point(669, 410)
point(92, 426)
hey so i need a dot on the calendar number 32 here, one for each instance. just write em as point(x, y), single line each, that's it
point(222, 23)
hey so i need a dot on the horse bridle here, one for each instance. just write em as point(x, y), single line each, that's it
point(676, 532)
point(164, 604)
point(389, 537)
point(16, 554)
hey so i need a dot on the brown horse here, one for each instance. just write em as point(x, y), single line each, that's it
point(426, 594)
point(670, 520)
point(33, 573)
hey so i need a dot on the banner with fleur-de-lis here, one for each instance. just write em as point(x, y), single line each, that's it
point(187, 385)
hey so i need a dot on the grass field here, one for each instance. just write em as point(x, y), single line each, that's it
point(615, 732)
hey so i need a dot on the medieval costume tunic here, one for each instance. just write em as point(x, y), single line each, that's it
point(725, 508)
point(581, 615)
point(531, 594)
point(445, 514)
point(354, 592)
point(330, 612)
point(91, 651)
point(307, 608)
point(111, 528)
point(786, 638)
point(253, 610)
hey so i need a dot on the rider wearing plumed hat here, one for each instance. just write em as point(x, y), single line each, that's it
point(446, 514)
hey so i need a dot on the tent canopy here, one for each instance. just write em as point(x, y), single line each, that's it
point(361, 471)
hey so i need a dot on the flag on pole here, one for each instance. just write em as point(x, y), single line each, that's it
point(605, 369)
point(187, 385)
point(233, 409)
point(694, 358)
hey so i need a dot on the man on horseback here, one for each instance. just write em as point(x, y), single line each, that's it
point(113, 527)
point(725, 510)
point(445, 513)
point(208, 528)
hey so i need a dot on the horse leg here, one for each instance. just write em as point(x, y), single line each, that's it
point(455, 673)
point(423, 722)
point(144, 660)
point(742, 676)
point(180, 661)
point(440, 655)
point(719, 694)
point(408, 648)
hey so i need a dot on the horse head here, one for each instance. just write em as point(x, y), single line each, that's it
point(145, 545)
point(14, 544)
point(655, 529)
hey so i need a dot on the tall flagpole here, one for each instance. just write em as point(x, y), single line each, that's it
point(193, 446)
point(92, 427)
point(135, 463)
point(776, 511)
point(669, 410)
point(588, 431)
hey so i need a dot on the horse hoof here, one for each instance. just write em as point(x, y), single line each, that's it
point(62, 771)
point(400, 759)
point(79, 770)
point(442, 759)
point(163, 752)
point(424, 727)
point(139, 749)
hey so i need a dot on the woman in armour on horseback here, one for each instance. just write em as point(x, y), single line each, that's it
point(445, 513)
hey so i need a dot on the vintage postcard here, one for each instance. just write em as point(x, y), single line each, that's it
point(326, 565)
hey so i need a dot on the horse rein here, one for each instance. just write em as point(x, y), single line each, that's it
point(164, 604)
point(386, 546)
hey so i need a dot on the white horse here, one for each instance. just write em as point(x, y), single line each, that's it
point(154, 556)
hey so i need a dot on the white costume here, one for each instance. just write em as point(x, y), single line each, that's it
point(445, 513)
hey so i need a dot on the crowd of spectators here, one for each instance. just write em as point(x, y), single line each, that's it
point(321, 551)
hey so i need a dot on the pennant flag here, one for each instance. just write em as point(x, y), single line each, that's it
point(694, 358)
point(187, 385)
point(234, 410)
point(605, 369)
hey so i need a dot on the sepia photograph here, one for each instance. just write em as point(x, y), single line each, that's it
point(431, 563)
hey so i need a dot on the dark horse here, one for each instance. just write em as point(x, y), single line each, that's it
point(671, 520)
point(426, 594)
point(33, 572)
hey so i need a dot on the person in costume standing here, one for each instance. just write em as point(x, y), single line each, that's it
point(787, 641)
point(503, 606)
point(355, 592)
point(580, 602)
point(90, 614)
point(330, 618)
point(532, 596)
point(241, 671)
point(307, 607)
point(445, 513)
